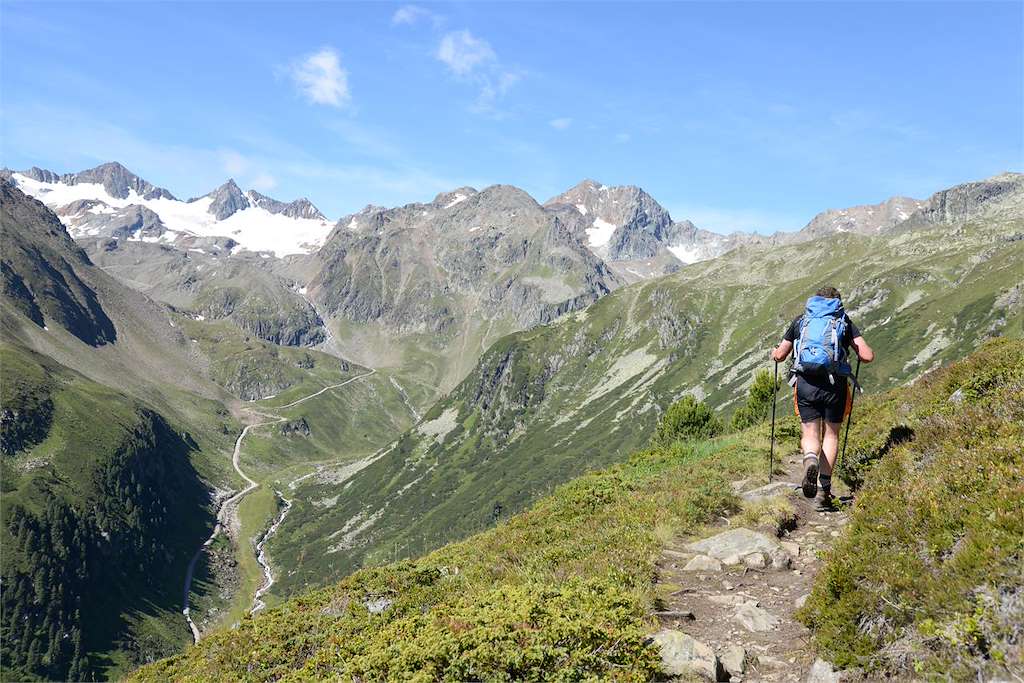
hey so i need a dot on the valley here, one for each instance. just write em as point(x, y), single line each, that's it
point(402, 379)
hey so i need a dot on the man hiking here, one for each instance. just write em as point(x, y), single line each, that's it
point(820, 341)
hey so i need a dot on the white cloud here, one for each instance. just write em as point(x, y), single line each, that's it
point(412, 14)
point(560, 124)
point(462, 52)
point(623, 138)
point(234, 164)
point(321, 78)
point(263, 182)
point(722, 220)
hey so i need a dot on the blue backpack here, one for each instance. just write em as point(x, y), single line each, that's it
point(819, 349)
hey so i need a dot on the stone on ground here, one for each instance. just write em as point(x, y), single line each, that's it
point(822, 672)
point(792, 548)
point(703, 563)
point(776, 488)
point(733, 545)
point(755, 619)
point(756, 560)
point(734, 659)
point(681, 654)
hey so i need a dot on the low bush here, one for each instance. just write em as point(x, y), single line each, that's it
point(687, 419)
point(928, 578)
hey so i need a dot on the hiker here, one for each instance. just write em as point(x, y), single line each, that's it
point(821, 391)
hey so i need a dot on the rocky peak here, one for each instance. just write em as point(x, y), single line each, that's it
point(867, 219)
point(117, 180)
point(300, 208)
point(227, 199)
point(965, 201)
point(624, 221)
point(447, 200)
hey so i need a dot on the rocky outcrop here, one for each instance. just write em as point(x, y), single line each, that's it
point(40, 267)
point(117, 180)
point(93, 218)
point(300, 208)
point(733, 546)
point(963, 202)
point(227, 199)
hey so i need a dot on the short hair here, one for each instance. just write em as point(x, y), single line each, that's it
point(829, 293)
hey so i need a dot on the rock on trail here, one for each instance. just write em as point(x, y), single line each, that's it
point(742, 588)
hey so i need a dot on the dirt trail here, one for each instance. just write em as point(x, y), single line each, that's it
point(720, 601)
point(227, 509)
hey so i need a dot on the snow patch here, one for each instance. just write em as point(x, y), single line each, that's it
point(685, 254)
point(459, 197)
point(255, 228)
point(600, 234)
point(440, 426)
point(582, 209)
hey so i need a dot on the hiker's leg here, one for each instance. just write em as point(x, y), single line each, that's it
point(830, 446)
point(810, 437)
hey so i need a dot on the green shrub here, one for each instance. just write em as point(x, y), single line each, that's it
point(928, 580)
point(759, 402)
point(687, 419)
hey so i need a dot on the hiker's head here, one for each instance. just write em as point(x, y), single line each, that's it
point(829, 293)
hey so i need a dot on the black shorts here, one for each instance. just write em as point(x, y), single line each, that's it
point(816, 399)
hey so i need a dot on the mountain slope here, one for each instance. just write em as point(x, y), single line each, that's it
point(549, 403)
point(425, 288)
point(253, 221)
point(565, 590)
point(110, 442)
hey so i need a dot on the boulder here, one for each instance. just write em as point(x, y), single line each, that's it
point(756, 560)
point(733, 545)
point(776, 488)
point(703, 563)
point(822, 672)
point(681, 654)
point(754, 618)
point(734, 659)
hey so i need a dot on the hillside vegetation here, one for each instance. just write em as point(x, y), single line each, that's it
point(564, 589)
point(102, 508)
point(929, 577)
point(552, 402)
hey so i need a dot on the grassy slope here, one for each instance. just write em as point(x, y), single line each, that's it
point(562, 590)
point(92, 427)
point(562, 587)
point(929, 575)
point(345, 424)
point(549, 403)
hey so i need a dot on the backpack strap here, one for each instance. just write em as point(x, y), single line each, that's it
point(804, 322)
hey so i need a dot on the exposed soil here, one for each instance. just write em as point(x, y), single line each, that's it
point(781, 653)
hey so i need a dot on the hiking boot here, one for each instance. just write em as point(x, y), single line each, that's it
point(810, 483)
point(826, 502)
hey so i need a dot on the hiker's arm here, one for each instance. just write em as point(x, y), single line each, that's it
point(864, 351)
point(781, 352)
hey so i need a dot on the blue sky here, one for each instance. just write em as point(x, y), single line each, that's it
point(735, 115)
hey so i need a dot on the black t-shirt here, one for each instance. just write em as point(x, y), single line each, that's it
point(851, 332)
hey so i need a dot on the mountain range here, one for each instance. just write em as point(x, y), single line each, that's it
point(405, 376)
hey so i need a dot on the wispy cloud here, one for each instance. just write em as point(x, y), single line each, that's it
point(264, 182)
point(463, 52)
point(623, 138)
point(560, 124)
point(321, 79)
point(413, 14)
point(472, 59)
point(725, 221)
point(75, 140)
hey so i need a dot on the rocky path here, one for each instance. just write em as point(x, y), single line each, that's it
point(227, 508)
point(729, 600)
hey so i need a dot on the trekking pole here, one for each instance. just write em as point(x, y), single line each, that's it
point(771, 448)
point(849, 419)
